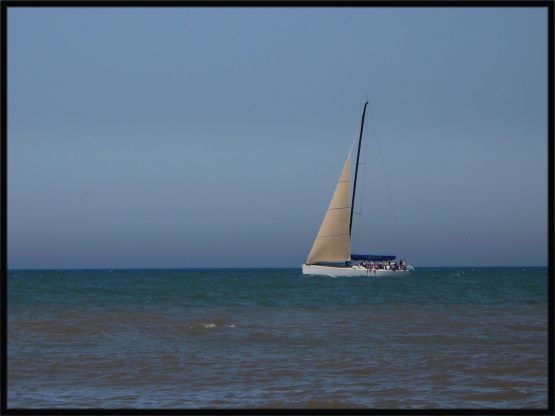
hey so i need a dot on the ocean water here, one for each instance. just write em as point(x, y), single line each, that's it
point(271, 338)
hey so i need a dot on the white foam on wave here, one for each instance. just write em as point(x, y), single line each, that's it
point(213, 325)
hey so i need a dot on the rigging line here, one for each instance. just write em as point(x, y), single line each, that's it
point(353, 144)
point(355, 138)
point(387, 184)
point(364, 185)
point(358, 226)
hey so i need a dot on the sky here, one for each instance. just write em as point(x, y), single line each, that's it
point(214, 137)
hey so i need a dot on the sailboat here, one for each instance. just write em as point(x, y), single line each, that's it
point(331, 252)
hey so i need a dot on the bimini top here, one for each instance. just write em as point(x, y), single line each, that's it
point(371, 257)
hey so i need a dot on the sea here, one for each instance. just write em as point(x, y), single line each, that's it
point(462, 338)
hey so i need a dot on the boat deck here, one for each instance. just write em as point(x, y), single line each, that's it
point(315, 270)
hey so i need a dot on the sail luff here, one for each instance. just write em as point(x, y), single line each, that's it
point(333, 242)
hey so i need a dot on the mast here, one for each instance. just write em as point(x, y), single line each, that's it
point(356, 167)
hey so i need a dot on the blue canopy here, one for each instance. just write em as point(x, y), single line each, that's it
point(371, 257)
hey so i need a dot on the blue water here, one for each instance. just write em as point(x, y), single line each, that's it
point(443, 337)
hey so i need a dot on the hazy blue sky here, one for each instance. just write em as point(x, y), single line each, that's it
point(215, 137)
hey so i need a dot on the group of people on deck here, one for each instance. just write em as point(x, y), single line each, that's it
point(386, 265)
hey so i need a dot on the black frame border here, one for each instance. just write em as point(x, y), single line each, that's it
point(5, 5)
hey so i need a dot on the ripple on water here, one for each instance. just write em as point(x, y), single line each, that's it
point(247, 338)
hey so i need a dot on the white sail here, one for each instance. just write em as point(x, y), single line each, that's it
point(333, 242)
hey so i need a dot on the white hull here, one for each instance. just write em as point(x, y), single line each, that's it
point(314, 270)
